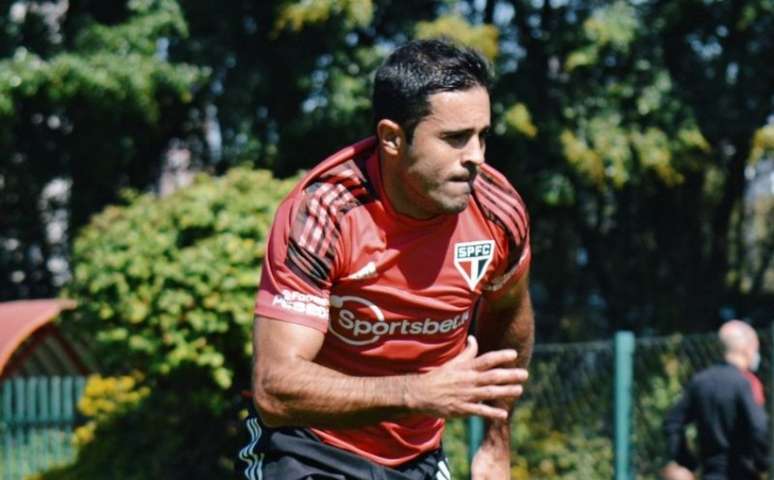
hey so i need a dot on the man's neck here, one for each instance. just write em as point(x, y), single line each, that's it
point(396, 194)
point(736, 360)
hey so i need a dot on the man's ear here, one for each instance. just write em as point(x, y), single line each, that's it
point(391, 137)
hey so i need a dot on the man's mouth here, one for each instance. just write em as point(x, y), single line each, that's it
point(463, 177)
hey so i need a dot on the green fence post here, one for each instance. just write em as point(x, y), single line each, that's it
point(57, 419)
point(475, 436)
point(7, 419)
point(622, 401)
point(32, 457)
point(20, 421)
point(771, 397)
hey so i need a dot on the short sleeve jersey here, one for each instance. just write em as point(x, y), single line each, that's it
point(392, 294)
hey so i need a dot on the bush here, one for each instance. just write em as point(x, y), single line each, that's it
point(543, 451)
point(539, 450)
point(166, 287)
point(105, 398)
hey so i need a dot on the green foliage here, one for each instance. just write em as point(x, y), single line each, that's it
point(604, 153)
point(635, 138)
point(455, 445)
point(762, 143)
point(600, 116)
point(111, 67)
point(545, 451)
point(169, 434)
point(90, 104)
point(301, 13)
point(167, 283)
point(135, 83)
point(541, 449)
point(614, 25)
point(151, 21)
point(482, 37)
point(106, 398)
point(165, 288)
point(518, 118)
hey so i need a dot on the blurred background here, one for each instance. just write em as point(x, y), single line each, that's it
point(145, 143)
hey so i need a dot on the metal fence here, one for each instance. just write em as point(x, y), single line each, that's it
point(37, 416)
point(579, 418)
point(595, 410)
point(662, 366)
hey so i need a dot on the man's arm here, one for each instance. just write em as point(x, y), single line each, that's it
point(507, 323)
point(675, 422)
point(290, 389)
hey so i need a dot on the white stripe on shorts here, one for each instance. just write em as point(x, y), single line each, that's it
point(248, 455)
point(443, 471)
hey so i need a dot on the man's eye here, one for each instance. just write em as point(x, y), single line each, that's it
point(457, 139)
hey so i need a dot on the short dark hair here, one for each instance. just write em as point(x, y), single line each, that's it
point(419, 69)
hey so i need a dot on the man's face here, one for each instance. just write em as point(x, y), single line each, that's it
point(436, 171)
point(754, 356)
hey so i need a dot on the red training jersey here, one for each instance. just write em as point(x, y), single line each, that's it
point(393, 294)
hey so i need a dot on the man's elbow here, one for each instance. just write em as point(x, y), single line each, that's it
point(270, 407)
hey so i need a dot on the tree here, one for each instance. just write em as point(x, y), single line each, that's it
point(633, 177)
point(721, 56)
point(601, 115)
point(594, 127)
point(86, 108)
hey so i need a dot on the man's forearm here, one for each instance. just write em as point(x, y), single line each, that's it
point(511, 328)
point(520, 335)
point(507, 329)
point(498, 432)
point(290, 389)
point(309, 394)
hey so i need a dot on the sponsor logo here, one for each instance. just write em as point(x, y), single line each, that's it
point(302, 303)
point(361, 322)
point(472, 260)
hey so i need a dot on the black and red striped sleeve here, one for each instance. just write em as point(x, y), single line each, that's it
point(304, 252)
point(505, 209)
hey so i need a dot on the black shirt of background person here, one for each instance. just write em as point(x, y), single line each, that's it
point(731, 427)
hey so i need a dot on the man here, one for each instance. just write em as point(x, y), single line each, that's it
point(377, 265)
point(730, 421)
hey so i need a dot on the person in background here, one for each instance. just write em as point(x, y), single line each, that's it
point(725, 403)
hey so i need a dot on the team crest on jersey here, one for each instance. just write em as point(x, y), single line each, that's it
point(472, 259)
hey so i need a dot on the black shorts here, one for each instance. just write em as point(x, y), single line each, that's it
point(297, 454)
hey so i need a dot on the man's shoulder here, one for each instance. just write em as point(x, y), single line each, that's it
point(500, 202)
point(496, 179)
point(338, 183)
point(720, 373)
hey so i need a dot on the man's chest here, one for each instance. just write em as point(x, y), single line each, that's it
point(411, 283)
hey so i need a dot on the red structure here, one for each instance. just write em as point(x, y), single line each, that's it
point(31, 344)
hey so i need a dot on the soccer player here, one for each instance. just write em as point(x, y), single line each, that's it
point(378, 263)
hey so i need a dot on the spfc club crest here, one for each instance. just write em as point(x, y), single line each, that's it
point(472, 258)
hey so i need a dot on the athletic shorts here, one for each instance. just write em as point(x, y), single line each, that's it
point(297, 454)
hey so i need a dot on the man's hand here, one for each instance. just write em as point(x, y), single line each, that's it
point(462, 385)
point(491, 464)
point(675, 471)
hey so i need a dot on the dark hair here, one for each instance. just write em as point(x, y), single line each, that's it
point(418, 69)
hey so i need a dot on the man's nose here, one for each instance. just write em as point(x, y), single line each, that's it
point(474, 153)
